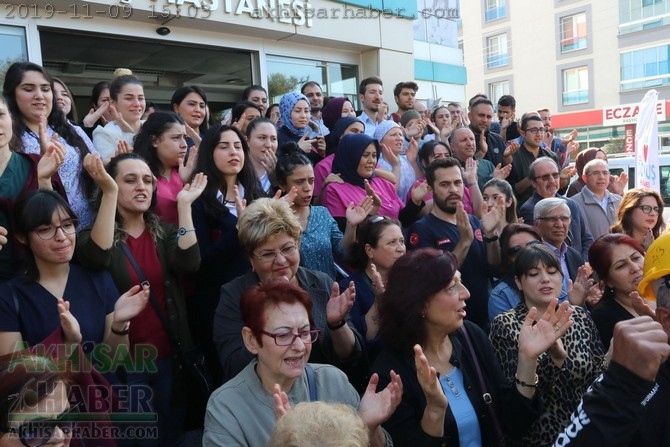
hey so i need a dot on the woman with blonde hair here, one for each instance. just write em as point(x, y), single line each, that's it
point(640, 215)
point(320, 423)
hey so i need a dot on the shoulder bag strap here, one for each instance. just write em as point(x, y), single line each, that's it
point(311, 383)
point(152, 299)
point(488, 399)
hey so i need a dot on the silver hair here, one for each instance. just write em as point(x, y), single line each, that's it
point(592, 163)
point(545, 206)
point(537, 162)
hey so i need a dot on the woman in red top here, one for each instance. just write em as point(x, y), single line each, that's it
point(125, 216)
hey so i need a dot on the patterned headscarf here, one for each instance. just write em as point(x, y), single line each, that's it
point(286, 105)
point(348, 157)
point(383, 128)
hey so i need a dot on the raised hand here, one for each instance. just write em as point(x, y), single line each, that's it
point(377, 281)
point(430, 384)
point(463, 224)
point(389, 156)
point(305, 144)
point(648, 239)
point(96, 169)
point(483, 145)
point(320, 145)
point(419, 192)
point(502, 172)
point(51, 160)
point(68, 323)
point(356, 214)
point(289, 197)
point(3, 237)
point(470, 172)
point(573, 147)
point(641, 346)
point(620, 182)
point(640, 305)
point(412, 150)
point(118, 118)
point(281, 403)
point(96, 114)
point(44, 135)
point(536, 337)
point(578, 290)
point(193, 134)
point(340, 304)
point(130, 304)
point(376, 201)
point(191, 191)
point(269, 162)
point(186, 169)
point(240, 203)
point(122, 148)
point(512, 147)
point(492, 218)
point(377, 407)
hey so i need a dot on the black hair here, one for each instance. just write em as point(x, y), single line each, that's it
point(252, 88)
point(215, 179)
point(440, 164)
point(152, 129)
point(532, 256)
point(97, 91)
point(119, 82)
point(427, 150)
point(240, 108)
point(31, 211)
point(309, 84)
point(289, 157)
point(507, 101)
point(368, 233)
point(72, 116)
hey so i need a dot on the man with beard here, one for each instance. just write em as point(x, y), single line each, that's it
point(404, 95)
point(490, 145)
point(532, 131)
point(544, 175)
point(313, 91)
point(448, 227)
point(371, 96)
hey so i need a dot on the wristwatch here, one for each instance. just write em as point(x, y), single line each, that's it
point(491, 239)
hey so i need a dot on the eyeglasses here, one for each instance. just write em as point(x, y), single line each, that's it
point(599, 173)
point(269, 256)
point(288, 338)
point(555, 219)
point(38, 432)
point(647, 209)
point(49, 231)
point(535, 130)
point(515, 249)
point(546, 177)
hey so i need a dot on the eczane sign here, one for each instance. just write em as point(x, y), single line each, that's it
point(627, 114)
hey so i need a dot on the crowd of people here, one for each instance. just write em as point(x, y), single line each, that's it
point(303, 272)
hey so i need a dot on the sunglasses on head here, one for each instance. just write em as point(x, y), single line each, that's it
point(514, 250)
point(37, 432)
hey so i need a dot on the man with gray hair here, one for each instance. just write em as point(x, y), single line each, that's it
point(552, 220)
point(595, 201)
point(544, 175)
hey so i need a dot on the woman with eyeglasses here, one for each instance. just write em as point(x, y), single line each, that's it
point(269, 233)
point(618, 260)
point(32, 303)
point(640, 216)
point(131, 242)
point(280, 331)
point(568, 366)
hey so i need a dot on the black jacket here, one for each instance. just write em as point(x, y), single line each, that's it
point(515, 412)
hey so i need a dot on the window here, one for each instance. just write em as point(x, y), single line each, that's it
point(644, 68)
point(494, 10)
point(287, 74)
point(636, 15)
point(496, 51)
point(573, 32)
point(498, 89)
point(575, 86)
point(13, 47)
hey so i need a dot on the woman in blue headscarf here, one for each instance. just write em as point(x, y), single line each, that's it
point(296, 115)
point(355, 162)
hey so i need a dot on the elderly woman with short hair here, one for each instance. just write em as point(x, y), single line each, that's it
point(269, 233)
point(280, 330)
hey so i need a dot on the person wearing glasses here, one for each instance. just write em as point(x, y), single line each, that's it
point(31, 303)
point(280, 331)
point(546, 176)
point(570, 364)
point(640, 216)
point(532, 131)
point(595, 201)
point(269, 233)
